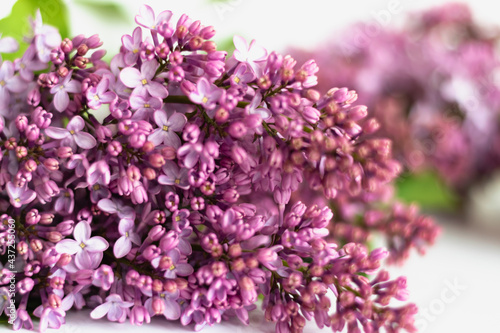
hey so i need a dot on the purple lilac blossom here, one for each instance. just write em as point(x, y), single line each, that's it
point(192, 197)
point(432, 91)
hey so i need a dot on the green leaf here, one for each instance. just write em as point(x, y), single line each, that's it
point(17, 24)
point(105, 10)
point(427, 190)
point(227, 45)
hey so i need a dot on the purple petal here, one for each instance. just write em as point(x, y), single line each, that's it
point(67, 302)
point(6, 70)
point(146, 17)
point(164, 180)
point(164, 16)
point(16, 84)
point(68, 246)
point(125, 225)
point(161, 118)
point(157, 136)
point(175, 255)
point(82, 232)
point(44, 321)
point(177, 121)
point(103, 86)
point(83, 260)
point(148, 69)
point(57, 133)
point(240, 43)
point(96, 244)
point(76, 124)
point(61, 100)
point(73, 86)
point(156, 89)
point(122, 247)
point(108, 206)
point(172, 310)
point(171, 139)
point(27, 197)
point(131, 77)
point(115, 313)
point(85, 140)
point(100, 311)
point(134, 238)
point(137, 102)
point(256, 52)
point(8, 45)
point(184, 269)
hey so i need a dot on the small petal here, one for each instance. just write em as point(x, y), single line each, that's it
point(122, 247)
point(100, 311)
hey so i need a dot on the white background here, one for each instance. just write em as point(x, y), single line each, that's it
point(462, 255)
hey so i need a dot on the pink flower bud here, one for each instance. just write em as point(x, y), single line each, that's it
point(54, 236)
point(64, 152)
point(46, 218)
point(221, 115)
point(64, 260)
point(32, 132)
point(156, 233)
point(156, 160)
point(158, 306)
point(21, 122)
point(36, 245)
point(114, 148)
point(169, 153)
point(21, 152)
point(51, 163)
point(34, 97)
point(67, 45)
point(54, 301)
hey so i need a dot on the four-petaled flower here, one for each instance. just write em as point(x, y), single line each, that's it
point(20, 195)
point(206, 94)
point(113, 207)
point(9, 83)
point(123, 244)
point(172, 264)
point(174, 176)
point(98, 95)
point(142, 81)
point(167, 126)
point(172, 309)
point(87, 249)
point(61, 90)
point(144, 106)
point(146, 17)
point(114, 307)
point(73, 135)
point(253, 54)
point(133, 45)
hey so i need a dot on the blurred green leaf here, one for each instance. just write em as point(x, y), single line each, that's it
point(226, 45)
point(104, 9)
point(427, 190)
point(17, 24)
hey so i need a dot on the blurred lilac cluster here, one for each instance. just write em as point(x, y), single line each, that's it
point(433, 85)
point(191, 196)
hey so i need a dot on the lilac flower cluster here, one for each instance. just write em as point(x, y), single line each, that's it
point(186, 199)
point(433, 85)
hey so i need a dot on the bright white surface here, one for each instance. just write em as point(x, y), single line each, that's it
point(274, 24)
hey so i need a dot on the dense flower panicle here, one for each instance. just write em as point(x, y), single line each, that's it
point(432, 85)
point(184, 201)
